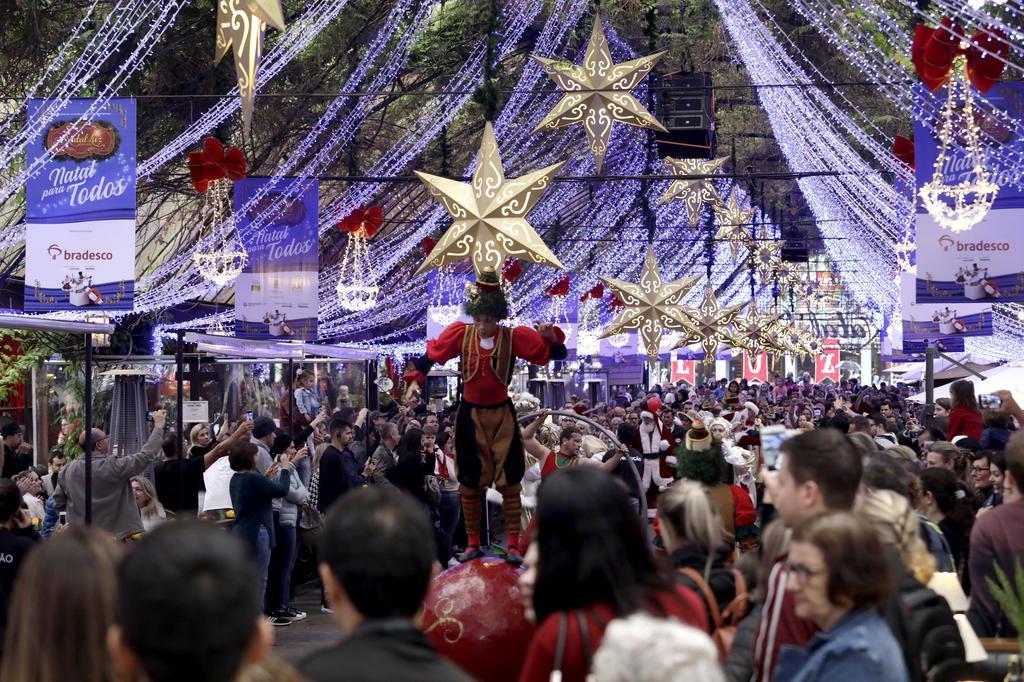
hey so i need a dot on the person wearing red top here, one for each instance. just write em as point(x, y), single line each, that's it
point(964, 418)
point(588, 564)
point(570, 444)
point(488, 446)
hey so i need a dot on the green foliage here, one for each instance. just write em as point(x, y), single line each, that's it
point(1009, 595)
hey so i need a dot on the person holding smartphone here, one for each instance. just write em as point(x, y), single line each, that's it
point(286, 520)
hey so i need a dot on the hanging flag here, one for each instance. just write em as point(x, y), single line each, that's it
point(826, 363)
point(80, 208)
point(755, 367)
point(684, 370)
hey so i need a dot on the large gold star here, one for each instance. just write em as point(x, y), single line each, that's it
point(597, 93)
point(693, 192)
point(734, 224)
point(709, 325)
point(650, 306)
point(240, 25)
point(490, 214)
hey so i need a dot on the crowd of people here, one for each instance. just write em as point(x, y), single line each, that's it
point(805, 559)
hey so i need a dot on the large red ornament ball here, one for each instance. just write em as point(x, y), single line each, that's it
point(653, 404)
point(474, 616)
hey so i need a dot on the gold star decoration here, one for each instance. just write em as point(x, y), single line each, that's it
point(734, 224)
point(753, 331)
point(240, 25)
point(694, 192)
point(766, 254)
point(597, 94)
point(709, 325)
point(649, 306)
point(490, 214)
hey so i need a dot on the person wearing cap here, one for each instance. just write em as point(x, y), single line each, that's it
point(263, 432)
point(488, 444)
point(16, 454)
point(113, 502)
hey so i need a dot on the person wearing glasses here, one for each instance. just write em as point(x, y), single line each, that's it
point(838, 576)
point(113, 503)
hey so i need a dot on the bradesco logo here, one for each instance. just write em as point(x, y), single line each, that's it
point(57, 253)
point(950, 244)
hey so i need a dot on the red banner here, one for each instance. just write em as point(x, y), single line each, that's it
point(755, 367)
point(684, 370)
point(826, 363)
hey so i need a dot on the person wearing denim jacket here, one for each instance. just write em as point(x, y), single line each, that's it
point(839, 574)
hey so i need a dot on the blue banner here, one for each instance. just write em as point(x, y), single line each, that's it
point(80, 208)
point(985, 263)
point(276, 296)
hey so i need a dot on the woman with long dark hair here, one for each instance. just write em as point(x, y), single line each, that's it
point(589, 563)
point(964, 417)
point(408, 473)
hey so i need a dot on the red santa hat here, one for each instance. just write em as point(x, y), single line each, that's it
point(646, 415)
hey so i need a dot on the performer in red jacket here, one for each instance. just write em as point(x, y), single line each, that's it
point(488, 444)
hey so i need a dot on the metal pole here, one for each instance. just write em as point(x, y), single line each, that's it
point(290, 387)
point(179, 437)
point(929, 385)
point(88, 429)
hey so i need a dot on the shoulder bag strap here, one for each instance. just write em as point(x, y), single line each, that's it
point(588, 653)
point(563, 626)
point(740, 604)
point(709, 596)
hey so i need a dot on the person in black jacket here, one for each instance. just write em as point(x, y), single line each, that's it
point(252, 494)
point(339, 470)
point(17, 538)
point(407, 474)
point(691, 530)
point(376, 559)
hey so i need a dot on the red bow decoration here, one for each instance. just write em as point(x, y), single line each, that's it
point(363, 222)
point(934, 50)
point(903, 149)
point(559, 288)
point(511, 270)
point(215, 163)
point(595, 293)
point(617, 302)
point(428, 244)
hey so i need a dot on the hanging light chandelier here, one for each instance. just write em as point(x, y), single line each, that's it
point(959, 207)
point(220, 262)
point(354, 293)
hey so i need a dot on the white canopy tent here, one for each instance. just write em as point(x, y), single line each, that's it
point(1008, 377)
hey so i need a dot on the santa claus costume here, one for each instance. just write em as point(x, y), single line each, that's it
point(488, 445)
point(651, 441)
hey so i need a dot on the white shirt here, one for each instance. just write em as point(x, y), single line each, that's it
point(218, 485)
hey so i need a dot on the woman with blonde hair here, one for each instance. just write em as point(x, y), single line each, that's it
point(63, 606)
point(690, 527)
point(897, 524)
point(152, 512)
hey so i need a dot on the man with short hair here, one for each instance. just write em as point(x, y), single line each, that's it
point(16, 454)
point(820, 472)
point(339, 471)
point(981, 476)
point(376, 562)
point(205, 629)
point(17, 538)
point(56, 463)
point(879, 431)
point(113, 503)
point(385, 457)
point(997, 540)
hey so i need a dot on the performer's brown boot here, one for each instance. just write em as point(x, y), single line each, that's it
point(471, 501)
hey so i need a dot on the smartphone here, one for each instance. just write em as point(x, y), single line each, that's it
point(772, 438)
point(248, 416)
point(990, 402)
point(63, 516)
point(817, 413)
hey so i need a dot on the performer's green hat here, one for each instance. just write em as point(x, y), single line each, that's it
point(485, 297)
